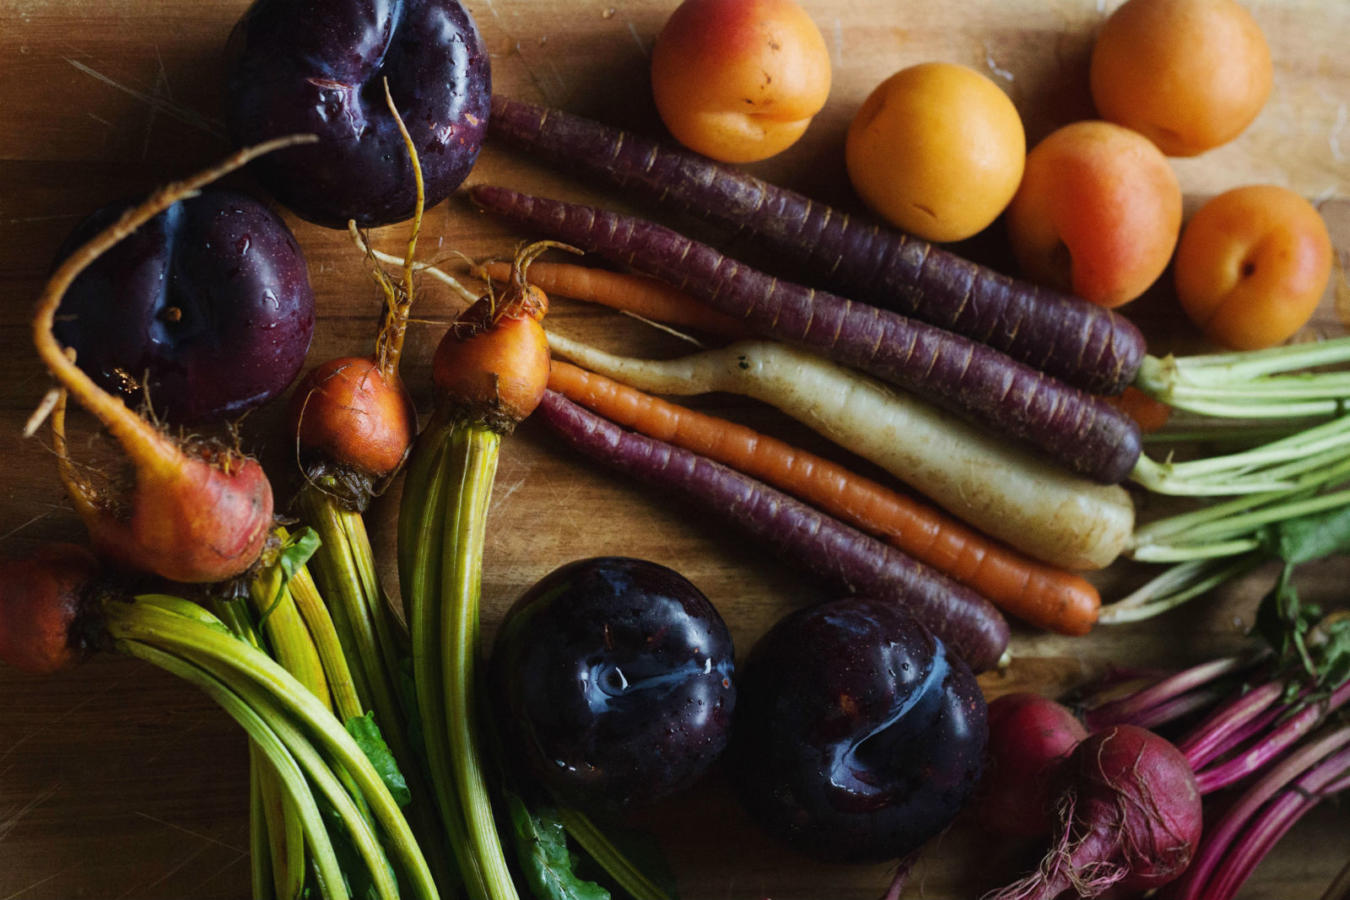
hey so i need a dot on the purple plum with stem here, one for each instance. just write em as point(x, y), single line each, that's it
point(320, 66)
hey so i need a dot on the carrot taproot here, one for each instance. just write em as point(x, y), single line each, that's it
point(1017, 497)
point(1079, 430)
point(1150, 413)
point(1093, 348)
point(637, 294)
point(1036, 593)
point(841, 557)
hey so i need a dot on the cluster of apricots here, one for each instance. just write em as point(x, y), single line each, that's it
point(939, 151)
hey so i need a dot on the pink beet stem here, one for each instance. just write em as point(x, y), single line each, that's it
point(1222, 833)
point(1293, 728)
point(1224, 728)
point(1321, 781)
point(1178, 707)
point(1123, 711)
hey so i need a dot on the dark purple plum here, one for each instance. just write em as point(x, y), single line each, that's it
point(858, 736)
point(613, 678)
point(319, 66)
point(207, 307)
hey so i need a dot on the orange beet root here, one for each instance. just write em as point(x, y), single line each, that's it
point(203, 519)
point(40, 599)
point(347, 411)
point(195, 512)
point(492, 365)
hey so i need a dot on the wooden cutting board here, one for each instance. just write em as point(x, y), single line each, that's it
point(117, 781)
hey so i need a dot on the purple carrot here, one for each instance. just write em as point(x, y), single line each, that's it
point(1085, 345)
point(845, 559)
point(1081, 431)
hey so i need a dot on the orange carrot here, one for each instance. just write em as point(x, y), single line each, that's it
point(636, 294)
point(1148, 413)
point(1034, 592)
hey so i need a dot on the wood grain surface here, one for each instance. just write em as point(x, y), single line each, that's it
point(117, 781)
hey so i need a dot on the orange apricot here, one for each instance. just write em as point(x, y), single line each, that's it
point(1097, 213)
point(1187, 74)
point(1252, 265)
point(739, 80)
point(937, 150)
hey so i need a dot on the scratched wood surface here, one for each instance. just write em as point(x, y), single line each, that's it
point(117, 781)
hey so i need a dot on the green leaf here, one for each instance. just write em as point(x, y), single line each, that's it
point(1277, 616)
point(367, 736)
point(1306, 538)
point(544, 858)
point(294, 553)
point(297, 550)
point(1329, 643)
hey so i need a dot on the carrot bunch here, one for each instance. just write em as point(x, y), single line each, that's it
point(1031, 590)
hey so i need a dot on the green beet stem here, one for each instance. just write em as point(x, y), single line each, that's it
point(471, 461)
point(326, 867)
point(591, 839)
point(180, 635)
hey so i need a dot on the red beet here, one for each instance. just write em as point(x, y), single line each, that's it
point(1130, 814)
point(1029, 737)
point(41, 599)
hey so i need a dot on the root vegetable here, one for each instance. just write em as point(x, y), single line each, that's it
point(1036, 593)
point(845, 559)
point(637, 294)
point(42, 599)
point(1130, 819)
point(1030, 736)
point(1085, 345)
point(1078, 430)
point(1005, 492)
point(196, 511)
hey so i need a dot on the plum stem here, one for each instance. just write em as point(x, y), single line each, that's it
point(143, 442)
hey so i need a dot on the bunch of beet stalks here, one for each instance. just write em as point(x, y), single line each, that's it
point(1277, 738)
point(326, 795)
point(1124, 803)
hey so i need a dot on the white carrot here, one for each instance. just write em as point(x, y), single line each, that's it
point(1009, 494)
